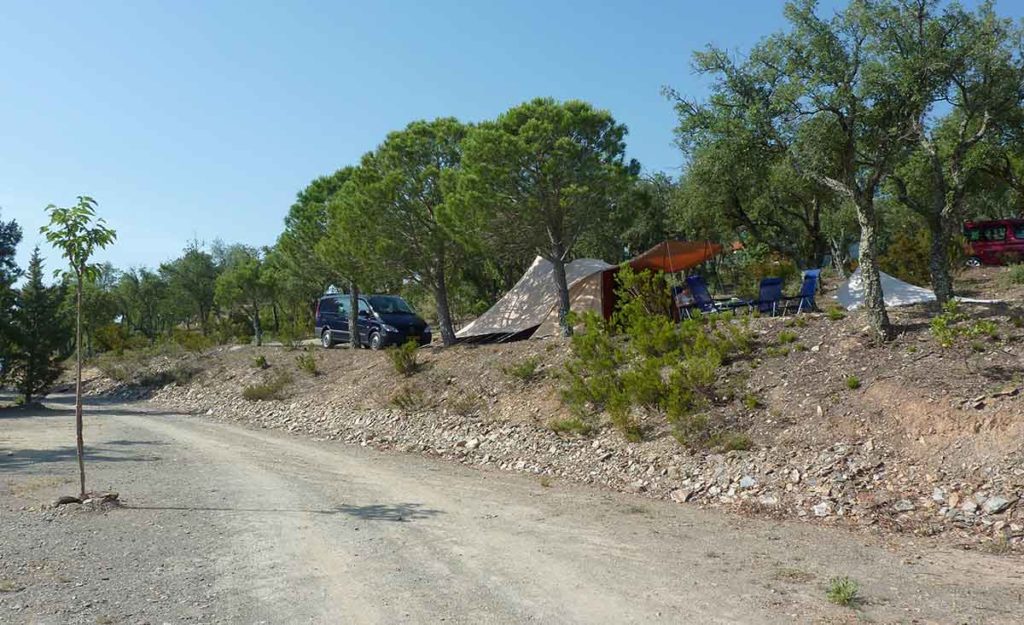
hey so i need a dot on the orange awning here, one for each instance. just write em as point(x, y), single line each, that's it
point(673, 256)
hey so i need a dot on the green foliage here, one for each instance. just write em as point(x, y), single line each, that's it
point(403, 358)
point(1015, 274)
point(573, 425)
point(306, 362)
point(843, 591)
point(952, 323)
point(852, 382)
point(548, 171)
point(243, 285)
point(116, 338)
point(786, 337)
point(260, 362)
point(752, 402)
point(192, 341)
point(38, 332)
point(525, 370)
point(732, 441)
point(835, 313)
point(409, 399)
point(643, 362)
point(190, 285)
point(274, 388)
point(467, 405)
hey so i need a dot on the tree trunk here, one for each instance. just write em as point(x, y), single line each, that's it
point(938, 260)
point(256, 327)
point(277, 320)
point(558, 269)
point(874, 301)
point(444, 314)
point(78, 390)
point(353, 316)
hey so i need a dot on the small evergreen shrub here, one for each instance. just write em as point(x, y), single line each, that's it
point(260, 362)
point(786, 337)
point(409, 399)
point(842, 591)
point(525, 370)
point(306, 363)
point(573, 425)
point(853, 382)
point(271, 389)
point(835, 313)
point(403, 358)
point(1015, 274)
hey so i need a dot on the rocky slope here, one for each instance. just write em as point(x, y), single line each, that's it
point(929, 442)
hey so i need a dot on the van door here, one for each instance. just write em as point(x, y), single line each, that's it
point(1016, 250)
point(342, 321)
point(992, 243)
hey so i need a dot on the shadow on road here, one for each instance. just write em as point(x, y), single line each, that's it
point(21, 458)
point(396, 513)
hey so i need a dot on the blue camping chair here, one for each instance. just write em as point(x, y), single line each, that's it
point(702, 299)
point(769, 296)
point(804, 300)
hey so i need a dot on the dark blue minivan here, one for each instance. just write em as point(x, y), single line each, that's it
point(383, 320)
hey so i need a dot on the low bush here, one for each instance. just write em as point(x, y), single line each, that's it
point(786, 337)
point(842, 591)
point(271, 389)
point(853, 382)
point(732, 441)
point(409, 399)
point(525, 370)
point(466, 405)
point(1015, 274)
point(403, 358)
point(260, 362)
point(952, 324)
point(642, 363)
point(192, 341)
point(835, 313)
point(573, 425)
point(306, 362)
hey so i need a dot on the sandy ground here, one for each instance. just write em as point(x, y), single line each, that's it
point(227, 525)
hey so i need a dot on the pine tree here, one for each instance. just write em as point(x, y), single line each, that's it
point(39, 333)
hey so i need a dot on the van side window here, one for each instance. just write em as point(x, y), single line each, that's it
point(995, 233)
point(329, 305)
point(363, 306)
point(1018, 231)
point(342, 307)
point(973, 234)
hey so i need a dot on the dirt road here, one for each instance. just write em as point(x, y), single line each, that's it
point(224, 524)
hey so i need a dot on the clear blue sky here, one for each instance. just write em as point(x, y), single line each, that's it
point(203, 119)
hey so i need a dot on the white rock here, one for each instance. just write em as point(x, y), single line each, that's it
point(822, 509)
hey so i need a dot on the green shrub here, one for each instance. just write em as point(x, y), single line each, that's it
point(732, 441)
point(842, 591)
point(643, 362)
point(752, 402)
point(179, 374)
point(192, 341)
point(786, 337)
point(467, 405)
point(573, 425)
point(835, 313)
point(409, 399)
point(307, 362)
point(271, 389)
point(1015, 274)
point(952, 323)
point(260, 362)
point(115, 337)
point(403, 358)
point(525, 370)
point(853, 382)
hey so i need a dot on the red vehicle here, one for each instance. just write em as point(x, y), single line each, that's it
point(997, 242)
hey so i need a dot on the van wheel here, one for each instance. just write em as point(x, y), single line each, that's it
point(325, 339)
point(374, 341)
point(973, 261)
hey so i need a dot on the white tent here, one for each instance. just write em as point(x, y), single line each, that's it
point(533, 301)
point(896, 292)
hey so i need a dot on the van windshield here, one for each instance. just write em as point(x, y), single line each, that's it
point(390, 305)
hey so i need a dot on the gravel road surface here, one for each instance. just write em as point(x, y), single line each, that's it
point(221, 524)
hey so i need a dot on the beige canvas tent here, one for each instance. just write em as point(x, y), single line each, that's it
point(532, 304)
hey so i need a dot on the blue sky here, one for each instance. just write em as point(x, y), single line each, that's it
point(203, 119)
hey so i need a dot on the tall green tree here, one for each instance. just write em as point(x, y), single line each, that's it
point(829, 95)
point(302, 273)
point(191, 278)
point(78, 234)
point(40, 333)
point(10, 236)
point(242, 286)
point(971, 63)
point(541, 177)
point(398, 196)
